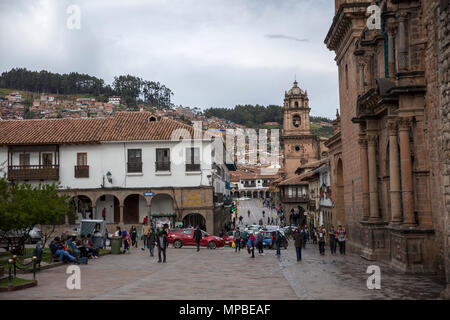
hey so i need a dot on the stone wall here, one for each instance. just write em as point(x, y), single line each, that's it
point(443, 28)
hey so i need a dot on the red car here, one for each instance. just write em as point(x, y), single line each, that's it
point(185, 237)
point(228, 238)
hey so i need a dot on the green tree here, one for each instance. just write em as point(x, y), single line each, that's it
point(23, 206)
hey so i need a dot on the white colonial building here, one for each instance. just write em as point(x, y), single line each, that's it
point(128, 166)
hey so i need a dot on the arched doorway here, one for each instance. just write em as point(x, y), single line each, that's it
point(261, 194)
point(242, 194)
point(162, 210)
point(134, 209)
point(268, 194)
point(340, 210)
point(249, 194)
point(82, 208)
point(255, 194)
point(111, 205)
point(194, 219)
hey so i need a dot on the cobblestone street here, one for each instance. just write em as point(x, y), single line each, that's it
point(224, 274)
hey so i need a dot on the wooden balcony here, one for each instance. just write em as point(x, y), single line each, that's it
point(295, 199)
point(162, 165)
point(33, 172)
point(81, 171)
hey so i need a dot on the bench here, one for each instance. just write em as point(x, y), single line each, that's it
point(10, 243)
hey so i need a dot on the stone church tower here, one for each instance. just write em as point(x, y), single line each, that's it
point(300, 147)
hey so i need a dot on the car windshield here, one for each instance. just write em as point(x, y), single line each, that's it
point(204, 234)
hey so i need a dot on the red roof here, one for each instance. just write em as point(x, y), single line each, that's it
point(123, 126)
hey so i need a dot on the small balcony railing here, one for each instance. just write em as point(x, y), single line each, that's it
point(33, 172)
point(192, 167)
point(162, 165)
point(295, 199)
point(134, 167)
point(81, 171)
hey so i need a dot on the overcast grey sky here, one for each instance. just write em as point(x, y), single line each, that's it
point(211, 53)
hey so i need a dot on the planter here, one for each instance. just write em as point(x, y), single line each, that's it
point(19, 286)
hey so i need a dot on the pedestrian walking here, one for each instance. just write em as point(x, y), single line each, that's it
point(162, 244)
point(314, 236)
point(260, 242)
point(278, 242)
point(126, 241)
point(151, 241)
point(321, 234)
point(133, 235)
point(342, 234)
point(197, 237)
point(333, 239)
point(145, 232)
point(237, 239)
point(298, 242)
point(305, 236)
point(251, 245)
point(248, 212)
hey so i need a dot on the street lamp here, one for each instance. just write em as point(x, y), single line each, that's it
point(109, 177)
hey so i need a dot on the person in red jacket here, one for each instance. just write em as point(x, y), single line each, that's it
point(104, 213)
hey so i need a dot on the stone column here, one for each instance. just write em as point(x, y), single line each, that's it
point(149, 212)
point(364, 176)
point(373, 177)
point(94, 212)
point(121, 214)
point(362, 78)
point(394, 175)
point(391, 53)
point(402, 50)
point(406, 170)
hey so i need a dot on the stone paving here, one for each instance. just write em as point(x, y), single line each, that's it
point(224, 274)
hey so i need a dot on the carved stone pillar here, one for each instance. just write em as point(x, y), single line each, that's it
point(402, 50)
point(364, 176)
point(406, 170)
point(121, 214)
point(362, 78)
point(391, 53)
point(373, 177)
point(394, 175)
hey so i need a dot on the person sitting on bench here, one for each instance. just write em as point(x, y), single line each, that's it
point(58, 251)
point(72, 247)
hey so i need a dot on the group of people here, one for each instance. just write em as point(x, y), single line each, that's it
point(151, 237)
point(73, 249)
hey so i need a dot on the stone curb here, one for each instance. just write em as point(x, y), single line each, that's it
point(50, 266)
point(19, 286)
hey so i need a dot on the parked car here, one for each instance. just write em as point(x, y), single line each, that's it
point(185, 237)
point(268, 239)
point(228, 238)
point(35, 235)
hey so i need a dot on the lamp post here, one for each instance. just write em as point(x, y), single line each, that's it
point(109, 177)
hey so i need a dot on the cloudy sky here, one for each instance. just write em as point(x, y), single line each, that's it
point(211, 53)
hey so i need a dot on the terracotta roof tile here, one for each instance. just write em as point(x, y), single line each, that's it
point(123, 126)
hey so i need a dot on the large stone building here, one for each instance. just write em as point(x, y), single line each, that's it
point(389, 155)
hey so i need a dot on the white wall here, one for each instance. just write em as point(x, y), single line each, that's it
point(112, 157)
